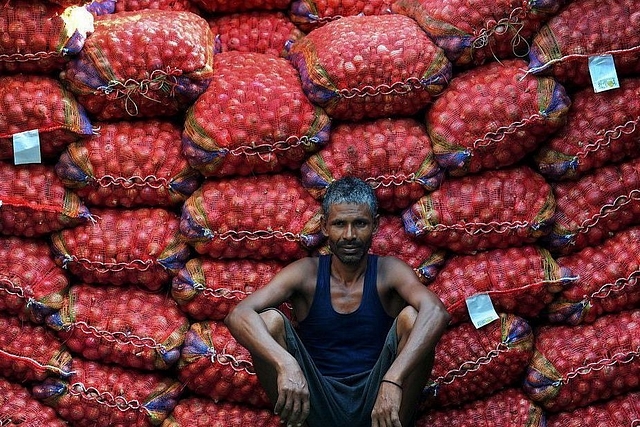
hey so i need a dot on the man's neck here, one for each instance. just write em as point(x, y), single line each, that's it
point(348, 274)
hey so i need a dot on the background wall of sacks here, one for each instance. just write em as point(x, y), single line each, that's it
point(162, 159)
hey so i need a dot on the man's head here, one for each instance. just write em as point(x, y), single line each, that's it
point(350, 217)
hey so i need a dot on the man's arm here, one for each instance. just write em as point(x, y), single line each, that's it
point(248, 328)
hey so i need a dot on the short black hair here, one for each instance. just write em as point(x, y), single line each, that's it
point(351, 190)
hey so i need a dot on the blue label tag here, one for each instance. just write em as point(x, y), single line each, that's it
point(26, 147)
point(481, 310)
point(603, 73)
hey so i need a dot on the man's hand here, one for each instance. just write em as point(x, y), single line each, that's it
point(293, 397)
point(386, 410)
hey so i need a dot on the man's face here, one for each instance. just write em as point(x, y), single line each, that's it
point(349, 229)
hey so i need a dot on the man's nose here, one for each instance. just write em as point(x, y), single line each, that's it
point(349, 232)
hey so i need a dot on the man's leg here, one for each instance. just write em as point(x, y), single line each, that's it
point(266, 374)
point(416, 381)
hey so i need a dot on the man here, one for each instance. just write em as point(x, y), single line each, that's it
point(363, 346)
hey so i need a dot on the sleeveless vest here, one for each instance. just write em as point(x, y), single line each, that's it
point(345, 344)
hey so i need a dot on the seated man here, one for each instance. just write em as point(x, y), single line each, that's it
point(366, 328)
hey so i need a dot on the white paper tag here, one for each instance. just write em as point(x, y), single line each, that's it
point(481, 310)
point(26, 147)
point(603, 73)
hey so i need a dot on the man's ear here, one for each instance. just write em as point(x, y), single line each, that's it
point(376, 223)
point(323, 225)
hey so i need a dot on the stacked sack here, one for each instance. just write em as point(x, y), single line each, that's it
point(161, 160)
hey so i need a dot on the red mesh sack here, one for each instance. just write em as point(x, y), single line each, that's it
point(39, 37)
point(253, 118)
point(576, 366)
point(215, 365)
point(619, 411)
point(472, 32)
point(138, 246)
point(129, 164)
point(270, 32)
point(493, 116)
point(142, 64)
point(601, 128)
point(506, 408)
point(30, 352)
point(370, 66)
point(473, 363)
point(232, 6)
point(42, 104)
point(265, 217)
point(203, 412)
point(32, 286)
point(392, 240)
point(100, 395)
point(606, 280)
point(34, 202)
point(18, 407)
point(520, 280)
point(488, 210)
point(131, 5)
point(600, 203)
point(207, 289)
point(126, 326)
point(393, 155)
point(310, 14)
point(563, 45)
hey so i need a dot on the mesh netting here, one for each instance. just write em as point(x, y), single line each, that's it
point(126, 326)
point(601, 128)
point(253, 118)
point(31, 102)
point(519, 280)
point(509, 407)
point(40, 37)
point(232, 6)
point(493, 116)
point(393, 155)
point(619, 411)
point(260, 217)
point(606, 280)
point(124, 246)
point(391, 239)
point(101, 395)
point(32, 286)
point(472, 32)
point(564, 43)
point(270, 32)
point(203, 412)
point(488, 210)
point(207, 289)
point(310, 14)
point(179, 5)
point(370, 66)
point(214, 364)
point(18, 407)
point(575, 366)
point(129, 164)
point(473, 363)
point(33, 201)
point(142, 64)
point(603, 201)
point(30, 352)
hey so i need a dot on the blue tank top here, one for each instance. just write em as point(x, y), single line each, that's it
point(345, 344)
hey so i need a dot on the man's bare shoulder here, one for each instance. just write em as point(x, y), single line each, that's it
point(298, 273)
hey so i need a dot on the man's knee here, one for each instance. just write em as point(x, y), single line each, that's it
point(406, 320)
point(275, 324)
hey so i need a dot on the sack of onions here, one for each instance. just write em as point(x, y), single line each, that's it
point(393, 155)
point(128, 164)
point(19, 407)
point(311, 14)
point(215, 365)
point(203, 412)
point(606, 280)
point(253, 118)
point(474, 363)
point(178, 5)
point(619, 411)
point(231, 6)
point(489, 210)
point(576, 366)
point(142, 64)
point(124, 246)
point(129, 327)
point(370, 66)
